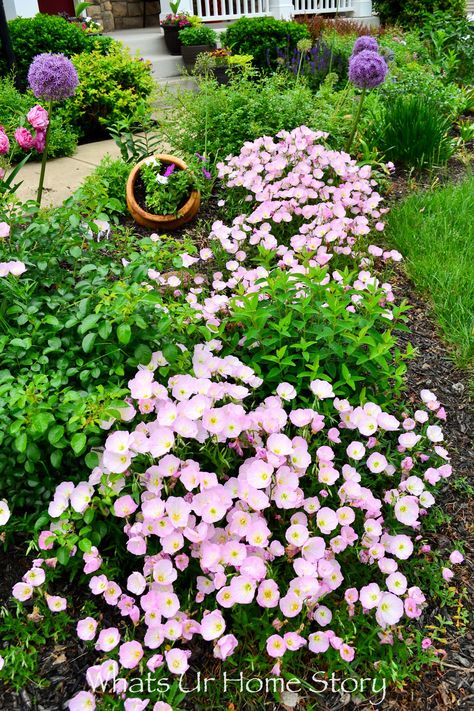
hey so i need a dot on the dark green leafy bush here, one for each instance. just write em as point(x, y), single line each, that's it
point(73, 330)
point(199, 35)
point(49, 33)
point(13, 108)
point(409, 12)
point(411, 130)
point(262, 37)
point(111, 87)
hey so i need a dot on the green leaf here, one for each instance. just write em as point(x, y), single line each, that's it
point(88, 342)
point(63, 555)
point(88, 323)
point(92, 459)
point(20, 442)
point(124, 333)
point(55, 434)
point(78, 442)
point(85, 545)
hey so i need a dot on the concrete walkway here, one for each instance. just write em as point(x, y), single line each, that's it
point(64, 175)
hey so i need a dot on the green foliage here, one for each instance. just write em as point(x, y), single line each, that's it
point(165, 196)
point(410, 12)
point(261, 37)
point(411, 131)
point(435, 232)
point(136, 135)
point(200, 35)
point(416, 80)
point(111, 88)
point(49, 33)
point(294, 338)
point(104, 189)
point(71, 335)
point(13, 109)
point(231, 114)
point(451, 42)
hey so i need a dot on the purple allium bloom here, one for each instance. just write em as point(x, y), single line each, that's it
point(52, 77)
point(367, 69)
point(363, 43)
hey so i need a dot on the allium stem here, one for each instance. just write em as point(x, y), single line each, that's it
point(44, 158)
point(356, 121)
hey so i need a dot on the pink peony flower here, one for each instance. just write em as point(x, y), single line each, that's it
point(24, 139)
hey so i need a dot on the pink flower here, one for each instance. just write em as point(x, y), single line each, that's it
point(225, 646)
point(276, 646)
point(56, 603)
point(86, 628)
point(212, 625)
point(390, 610)
point(407, 510)
point(4, 227)
point(130, 654)
point(4, 142)
point(24, 139)
point(46, 540)
point(322, 389)
point(22, 591)
point(177, 661)
point(456, 557)
point(124, 506)
point(447, 574)
point(318, 642)
point(38, 118)
point(376, 463)
point(83, 701)
point(426, 643)
point(108, 639)
point(347, 652)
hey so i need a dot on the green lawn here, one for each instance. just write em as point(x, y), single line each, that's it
point(434, 230)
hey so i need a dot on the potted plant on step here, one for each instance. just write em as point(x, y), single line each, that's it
point(171, 25)
point(222, 64)
point(162, 193)
point(194, 41)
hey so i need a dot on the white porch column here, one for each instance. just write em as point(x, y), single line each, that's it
point(282, 9)
point(184, 6)
point(362, 8)
point(20, 8)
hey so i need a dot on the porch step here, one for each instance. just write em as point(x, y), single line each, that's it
point(149, 43)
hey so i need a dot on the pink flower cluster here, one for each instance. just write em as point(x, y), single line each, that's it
point(295, 489)
point(38, 119)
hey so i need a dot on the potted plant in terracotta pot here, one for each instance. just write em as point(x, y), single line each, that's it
point(194, 41)
point(162, 193)
point(172, 24)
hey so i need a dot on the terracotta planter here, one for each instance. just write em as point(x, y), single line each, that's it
point(172, 41)
point(161, 222)
point(190, 53)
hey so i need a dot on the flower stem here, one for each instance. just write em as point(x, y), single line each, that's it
point(44, 158)
point(356, 121)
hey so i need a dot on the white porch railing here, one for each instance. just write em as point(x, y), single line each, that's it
point(317, 7)
point(230, 9)
point(222, 10)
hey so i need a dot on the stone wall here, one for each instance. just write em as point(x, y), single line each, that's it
point(124, 14)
